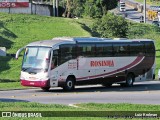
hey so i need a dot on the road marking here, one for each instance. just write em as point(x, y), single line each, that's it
point(75, 106)
point(72, 105)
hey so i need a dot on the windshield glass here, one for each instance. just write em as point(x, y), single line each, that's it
point(36, 59)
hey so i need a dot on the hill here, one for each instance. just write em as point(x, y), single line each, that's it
point(17, 30)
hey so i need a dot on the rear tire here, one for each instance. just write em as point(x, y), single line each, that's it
point(70, 84)
point(129, 81)
point(45, 89)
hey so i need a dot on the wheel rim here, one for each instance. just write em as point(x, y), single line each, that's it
point(130, 81)
point(70, 84)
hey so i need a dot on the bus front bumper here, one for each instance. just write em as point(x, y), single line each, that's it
point(35, 83)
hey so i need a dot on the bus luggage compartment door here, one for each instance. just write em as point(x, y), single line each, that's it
point(53, 79)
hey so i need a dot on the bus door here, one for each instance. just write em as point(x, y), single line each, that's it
point(53, 72)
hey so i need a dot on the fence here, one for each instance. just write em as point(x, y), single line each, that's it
point(34, 8)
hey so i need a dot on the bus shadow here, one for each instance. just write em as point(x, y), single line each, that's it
point(88, 29)
point(114, 88)
point(11, 100)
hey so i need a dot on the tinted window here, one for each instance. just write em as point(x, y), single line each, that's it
point(137, 49)
point(86, 50)
point(104, 50)
point(149, 49)
point(121, 49)
point(67, 52)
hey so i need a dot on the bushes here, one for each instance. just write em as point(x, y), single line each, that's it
point(111, 26)
point(139, 30)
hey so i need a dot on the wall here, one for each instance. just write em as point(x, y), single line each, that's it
point(42, 9)
point(39, 9)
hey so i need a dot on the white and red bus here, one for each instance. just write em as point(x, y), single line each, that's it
point(66, 62)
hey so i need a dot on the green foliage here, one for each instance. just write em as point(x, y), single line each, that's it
point(73, 7)
point(10, 85)
point(119, 107)
point(78, 8)
point(24, 106)
point(111, 26)
point(136, 30)
point(91, 8)
point(98, 8)
point(108, 5)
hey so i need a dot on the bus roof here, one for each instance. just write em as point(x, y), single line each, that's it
point(71, 40)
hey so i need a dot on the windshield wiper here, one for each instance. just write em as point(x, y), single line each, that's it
point(25, 69)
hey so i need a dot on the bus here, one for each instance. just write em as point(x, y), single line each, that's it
point(66, 62)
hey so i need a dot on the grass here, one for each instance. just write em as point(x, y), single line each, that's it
point(27, 106)
point(120, 107)
point(11, 85)
point(84, 109)
point(17, 30)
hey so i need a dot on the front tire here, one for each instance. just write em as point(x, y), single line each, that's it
point(70, 84)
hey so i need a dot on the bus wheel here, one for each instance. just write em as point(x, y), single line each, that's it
point(129, 80)
point(107, 84)
point(70, 84)
point(45, 88)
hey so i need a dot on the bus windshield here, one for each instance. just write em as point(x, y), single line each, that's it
point(36, 59)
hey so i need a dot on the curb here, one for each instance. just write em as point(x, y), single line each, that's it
point(16, 89)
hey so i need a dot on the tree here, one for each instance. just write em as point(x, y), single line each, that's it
point(111, 26)
point(107, 5)
point(92, 8)
point(74, 7)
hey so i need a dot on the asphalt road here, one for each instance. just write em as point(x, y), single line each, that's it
point(132, 15)
point(141, 93)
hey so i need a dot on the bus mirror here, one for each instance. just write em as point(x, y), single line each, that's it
point(18, 52)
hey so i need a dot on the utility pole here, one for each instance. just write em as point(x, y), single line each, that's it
point(55, 8)
point(144, 11)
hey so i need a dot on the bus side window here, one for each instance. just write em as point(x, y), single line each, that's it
point(54, 61)
point(136, 49)
point(121, 49)
point(149, 49)
point(86, 50)
point(67, 52)
point(104, 50)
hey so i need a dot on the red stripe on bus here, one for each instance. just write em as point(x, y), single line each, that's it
point(137, 60)
point(35, 83)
